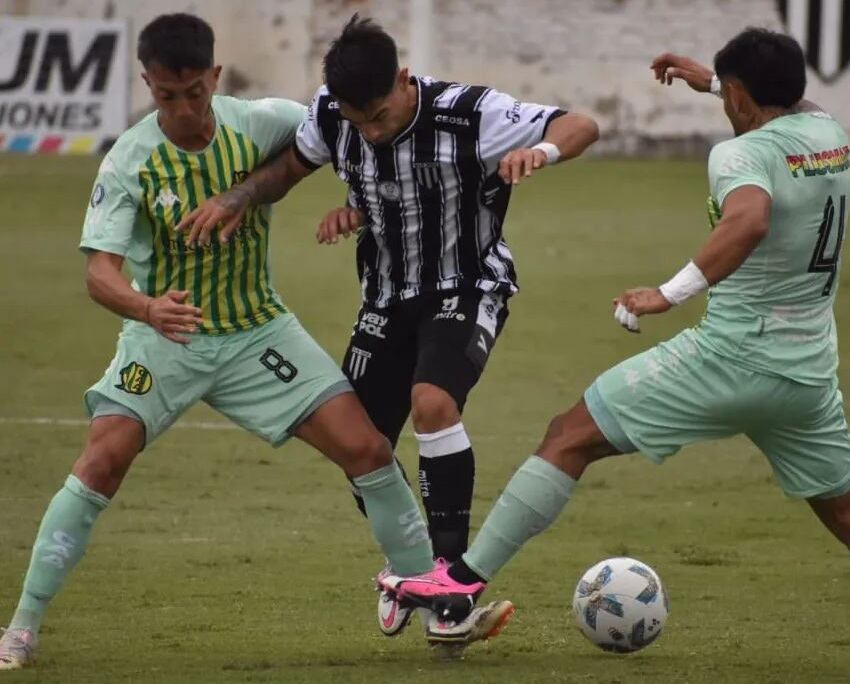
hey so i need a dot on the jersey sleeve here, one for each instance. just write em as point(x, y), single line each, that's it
point(273, 123)
point(111, 212)
point(310, 146)
point(508, 124)
point(733, 164)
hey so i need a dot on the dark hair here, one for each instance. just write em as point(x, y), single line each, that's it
point(361, 64)
point(177, 42)
point(770, 65)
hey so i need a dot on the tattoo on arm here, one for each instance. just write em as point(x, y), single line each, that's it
point(272, 180)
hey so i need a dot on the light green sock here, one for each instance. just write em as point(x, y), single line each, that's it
point(396, 520)
point(534, 497)
point(60, 544)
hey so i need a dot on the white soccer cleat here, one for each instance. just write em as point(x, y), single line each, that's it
point(484, 622)
point(392, 616)
point(17, 648)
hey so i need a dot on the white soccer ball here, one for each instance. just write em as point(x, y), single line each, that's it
point(620, 605)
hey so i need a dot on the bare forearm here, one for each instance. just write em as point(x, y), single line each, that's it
point(270, 182)
point(109, 288)
point(572, 134)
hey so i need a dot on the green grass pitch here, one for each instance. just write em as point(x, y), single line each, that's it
point(224, 560)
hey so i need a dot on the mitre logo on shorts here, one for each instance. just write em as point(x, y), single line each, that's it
point(135, 379)
point(373, 324)
point(450, 310)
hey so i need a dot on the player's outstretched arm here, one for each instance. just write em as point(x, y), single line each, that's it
point(168, 314)
point(567, 137)
point(745, 223)
point(264, 185)
point(668, 66)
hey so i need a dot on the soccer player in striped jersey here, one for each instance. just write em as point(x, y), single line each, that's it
point(429, 166)
point(763, 360)
point(202, 323)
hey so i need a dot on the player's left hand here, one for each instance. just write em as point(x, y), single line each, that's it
point(521, 163)
point(635, 303)
point(225, 211)
point(341, 221)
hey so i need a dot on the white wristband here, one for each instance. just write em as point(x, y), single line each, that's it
point(685, 284)
point(553, 154)
point(714, 88)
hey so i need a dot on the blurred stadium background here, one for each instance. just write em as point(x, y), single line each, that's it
point(225, 561)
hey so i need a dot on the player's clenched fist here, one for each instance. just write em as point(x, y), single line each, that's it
point(170, 316)
point(634, 303)
point(521, 163)
point(340, 221)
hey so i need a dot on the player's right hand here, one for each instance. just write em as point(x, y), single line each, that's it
point(632, 304)
point(669, 66)
point(226, 210)
point(340, 221)
point(170, 316)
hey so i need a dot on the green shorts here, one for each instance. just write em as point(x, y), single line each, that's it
point(681, 392)
point(267, 380)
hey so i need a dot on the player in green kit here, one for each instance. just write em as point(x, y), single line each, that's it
point(201, 323)
point(763, 360)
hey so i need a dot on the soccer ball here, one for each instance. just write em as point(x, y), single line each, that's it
point(620, 605)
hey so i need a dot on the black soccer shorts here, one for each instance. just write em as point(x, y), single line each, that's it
point(443, 338)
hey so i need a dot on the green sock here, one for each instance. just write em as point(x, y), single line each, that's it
point(534, 497)
point(396, 520)
point(60, 544)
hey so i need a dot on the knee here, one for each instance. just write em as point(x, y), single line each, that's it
point(433, 408)
point(107, 457)
point(367, 454)
point(565, 447)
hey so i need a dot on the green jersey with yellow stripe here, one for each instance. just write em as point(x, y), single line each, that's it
point(146, 184)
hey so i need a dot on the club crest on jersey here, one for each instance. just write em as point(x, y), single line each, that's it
point(166, 199)
point(389, 190)
point(427, 174)
point(135, 379)
point(238, 177)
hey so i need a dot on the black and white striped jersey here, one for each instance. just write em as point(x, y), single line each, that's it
point(433, 202)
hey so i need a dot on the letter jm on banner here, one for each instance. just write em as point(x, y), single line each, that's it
point(63, 84)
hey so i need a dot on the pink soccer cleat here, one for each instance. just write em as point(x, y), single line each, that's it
point(436, 590)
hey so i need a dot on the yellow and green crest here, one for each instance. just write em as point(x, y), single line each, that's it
point(135, 379)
